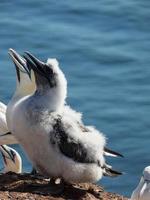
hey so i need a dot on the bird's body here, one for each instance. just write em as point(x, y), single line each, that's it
point(142, 192)
point(54, 138)
point(8, 138)
point(3, 123)
point(56, 143)
point(26, 86)
point(11, 159)
point(3, 108)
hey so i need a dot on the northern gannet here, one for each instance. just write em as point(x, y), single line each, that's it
point(142, 192)
point(56, 144)
point(26, 86)
point(12, 160)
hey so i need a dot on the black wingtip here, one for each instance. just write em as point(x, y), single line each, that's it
point(113, 153)
point(108, 171)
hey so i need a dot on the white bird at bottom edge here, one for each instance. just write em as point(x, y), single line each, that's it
point(142, 191)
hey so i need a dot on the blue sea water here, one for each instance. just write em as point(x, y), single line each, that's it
point(104, 50)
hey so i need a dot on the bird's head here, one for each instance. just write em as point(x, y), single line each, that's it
point(25, 79)
point(11, 158)
point(49, 77)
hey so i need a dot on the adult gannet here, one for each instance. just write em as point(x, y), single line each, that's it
point(24, 87)
point(24, 84)
point(54, 142)
point(142, 192)
point(12, 160)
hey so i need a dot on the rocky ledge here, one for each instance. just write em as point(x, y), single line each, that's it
point(26, 186)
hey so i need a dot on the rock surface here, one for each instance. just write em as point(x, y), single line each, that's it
point(28, 187)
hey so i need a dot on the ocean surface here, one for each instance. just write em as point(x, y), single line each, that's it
point(104, 50)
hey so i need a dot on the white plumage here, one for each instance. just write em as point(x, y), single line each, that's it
point(58, 144)
point(24, 85)
point(3, 123)
point(5, 136)
point(11, 159)
point(142, 192)
point(27, 86)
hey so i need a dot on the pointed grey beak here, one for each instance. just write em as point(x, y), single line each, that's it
point(6, 153)
point(34, 63)
point(20, 63)
point(40, 68)
point(34, 59)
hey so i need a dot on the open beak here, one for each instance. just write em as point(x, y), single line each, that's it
point(109, 152)
point(6, 153)
point(20, 63)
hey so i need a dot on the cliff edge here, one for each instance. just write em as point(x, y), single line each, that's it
point(28, 187)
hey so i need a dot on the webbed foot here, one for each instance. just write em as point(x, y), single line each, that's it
point(56, 186)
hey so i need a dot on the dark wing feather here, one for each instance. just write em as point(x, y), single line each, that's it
point(68, 145)
point(108, 171)
point(112, 153)
point(106, 150)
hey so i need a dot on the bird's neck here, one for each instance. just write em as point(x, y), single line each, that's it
point(23, 88)
point(52, 99)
